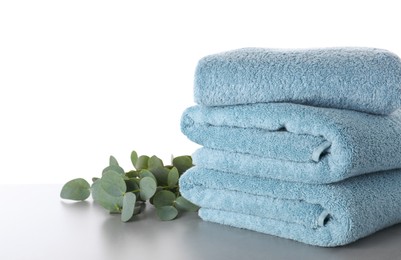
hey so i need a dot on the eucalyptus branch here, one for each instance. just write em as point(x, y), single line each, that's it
point(124, 192)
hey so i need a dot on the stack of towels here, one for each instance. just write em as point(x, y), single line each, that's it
point(301, 144)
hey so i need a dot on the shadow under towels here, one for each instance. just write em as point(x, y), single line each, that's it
point(293, 142)
point(317, 214)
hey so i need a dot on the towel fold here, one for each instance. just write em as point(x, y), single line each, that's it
point(324, 215)
point(293, 142)
point(363, 79)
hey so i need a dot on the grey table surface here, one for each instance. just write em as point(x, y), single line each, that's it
point(36, 224)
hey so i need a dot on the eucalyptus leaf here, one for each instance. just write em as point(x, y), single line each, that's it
point(139, 207)
point(128, 206)
point(76, 189)
point(114, 168)
point(166, 213)
point(163, 198)
point(134, 158)
point(155, 165)
point(132, 185)
point(132, 174)
point(148, 187)
point(184, 204)
point(146, 173)
point(113, 183)
point(113, 161)
point(142, 162)
point(100, 196)
point(155, 162)
point(161, 174)
point(182, 163)
point(172, 177)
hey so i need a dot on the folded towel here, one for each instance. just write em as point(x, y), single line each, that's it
point(363, 79)
point(293, 142)
point(317, 214)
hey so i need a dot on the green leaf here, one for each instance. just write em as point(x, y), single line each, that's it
point(114, 168)
point(166, 213)
point(161, 175)
point(77, 189)
point(159, 171)
point(134, 158)
point(147, 173)
point(155, 162)
point(163, 198)
point(100, 196)
point(148, 187)
point(139, 207)
point(172, 177)
point(113, 161)
point(128, 206)
point(113, 183)
point(142, 162)
point(184, 204)
point(182, 163)
point(132, 174)
point(132, 185)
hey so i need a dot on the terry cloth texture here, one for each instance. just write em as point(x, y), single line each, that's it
point(363, 79)
point(324, 215)
point(293, 142)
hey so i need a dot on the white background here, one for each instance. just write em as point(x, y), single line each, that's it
point(81, 80)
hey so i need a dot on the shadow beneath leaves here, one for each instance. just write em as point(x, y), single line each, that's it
point(76, 205)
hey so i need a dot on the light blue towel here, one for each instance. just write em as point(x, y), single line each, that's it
point(323, 215)
point(293, 142)
point(363, 79)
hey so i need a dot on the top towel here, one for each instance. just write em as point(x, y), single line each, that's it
point(362, 79)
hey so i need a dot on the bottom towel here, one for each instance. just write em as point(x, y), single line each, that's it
point(318, 214)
